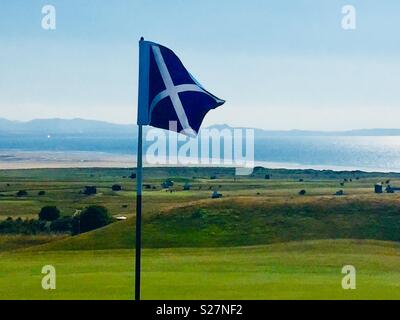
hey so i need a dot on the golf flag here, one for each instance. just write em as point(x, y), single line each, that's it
point(168, 92)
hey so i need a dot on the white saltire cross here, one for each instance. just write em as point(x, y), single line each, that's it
point(172, 91)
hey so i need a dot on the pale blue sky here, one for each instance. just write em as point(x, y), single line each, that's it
point(279, 64)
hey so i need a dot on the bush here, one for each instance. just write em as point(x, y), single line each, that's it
point(90, 190)
point(61, 225)
point(19, 226)
point(167, 184)
point(41, 193)
point(22, 193)
point(75, 225)
point(93, 217)
point(49, 213)
point(116, 187)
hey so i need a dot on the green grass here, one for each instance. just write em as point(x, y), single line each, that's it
point(251, 221)
point(301, 270)
point(237, 247)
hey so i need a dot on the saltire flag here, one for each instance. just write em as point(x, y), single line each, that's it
point(168, 92)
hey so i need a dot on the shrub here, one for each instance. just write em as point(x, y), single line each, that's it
point(90, 190)
point(61, 225)
point(22, 193)
point(41, 193)
point(19, 226)
point(167, 184)
point(75, 225)
point(49, 213)
point(93, 217)
point(116, 187)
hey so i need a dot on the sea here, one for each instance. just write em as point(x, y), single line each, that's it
point(366, 153)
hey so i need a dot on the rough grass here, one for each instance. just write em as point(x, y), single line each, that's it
point(250, 221)
point(62, 187)
point(14, 242)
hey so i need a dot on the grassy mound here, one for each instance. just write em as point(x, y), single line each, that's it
point(251, 221)
point(14, 242)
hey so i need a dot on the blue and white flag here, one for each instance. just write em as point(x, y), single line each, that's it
point(169, 93)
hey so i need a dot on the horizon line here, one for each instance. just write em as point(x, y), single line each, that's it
point(213, 125)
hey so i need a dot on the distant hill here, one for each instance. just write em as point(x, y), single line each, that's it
point(87, 127)
point(351, 133)
point(64, 126)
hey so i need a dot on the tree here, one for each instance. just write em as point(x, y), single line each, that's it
point(49, 213)
point(94, 217)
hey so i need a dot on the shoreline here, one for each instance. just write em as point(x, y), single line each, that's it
point(23, 160)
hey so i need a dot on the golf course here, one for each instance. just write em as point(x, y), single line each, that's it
point(275, 234)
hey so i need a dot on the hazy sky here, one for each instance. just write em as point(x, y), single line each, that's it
point(279, 64)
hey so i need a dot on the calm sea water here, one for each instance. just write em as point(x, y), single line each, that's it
point(356, 153)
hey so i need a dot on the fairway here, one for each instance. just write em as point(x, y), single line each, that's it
point(297, 270)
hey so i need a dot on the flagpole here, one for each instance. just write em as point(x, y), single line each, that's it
point(139, 183)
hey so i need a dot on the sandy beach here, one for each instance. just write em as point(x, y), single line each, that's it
point(34, 160)
point(12, 160)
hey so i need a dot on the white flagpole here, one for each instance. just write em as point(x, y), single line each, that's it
point(139, 183)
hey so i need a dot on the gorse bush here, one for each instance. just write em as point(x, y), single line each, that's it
point(116, 187)
point(19, 226)
point(62, 225)
point(50, 221)
point(22, 193)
